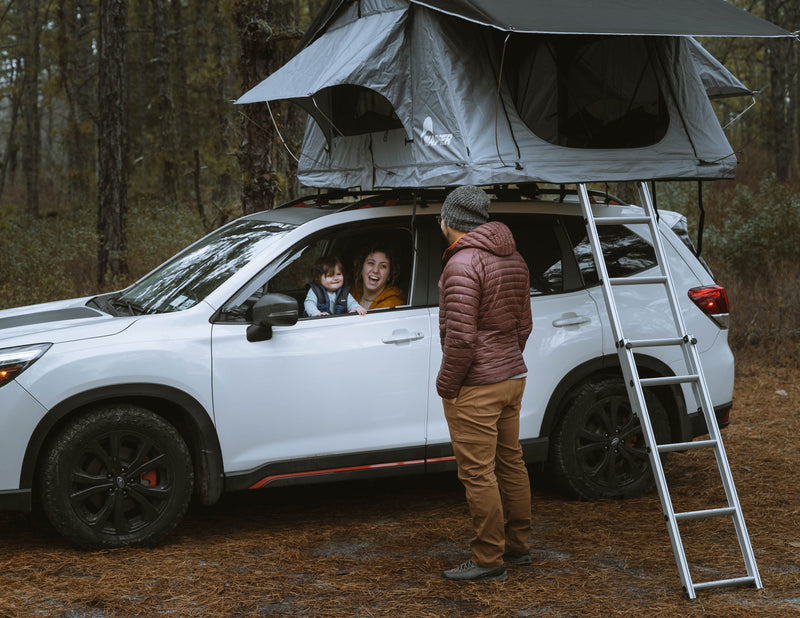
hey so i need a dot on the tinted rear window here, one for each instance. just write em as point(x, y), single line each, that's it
point(625, 252)
point(537, 241)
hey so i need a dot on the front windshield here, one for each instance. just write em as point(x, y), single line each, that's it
point(197, 271)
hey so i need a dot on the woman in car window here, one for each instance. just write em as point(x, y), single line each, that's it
point(375, 275)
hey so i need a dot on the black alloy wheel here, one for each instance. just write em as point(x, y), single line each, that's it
point(598, 448)
point(116, 476)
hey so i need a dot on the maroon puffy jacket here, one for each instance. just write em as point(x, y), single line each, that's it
point(484, 310)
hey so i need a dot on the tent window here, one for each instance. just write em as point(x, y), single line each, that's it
point(356, 110)
point(587, 91)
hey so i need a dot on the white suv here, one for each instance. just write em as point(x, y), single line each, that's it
point(201, 377)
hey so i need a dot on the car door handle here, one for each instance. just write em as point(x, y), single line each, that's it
point(571, 320)
point(403, 336)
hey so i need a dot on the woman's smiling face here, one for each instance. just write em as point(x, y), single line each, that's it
point(375, 272)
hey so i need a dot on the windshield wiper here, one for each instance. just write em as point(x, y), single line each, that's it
point(133, 308)
point(103, 303)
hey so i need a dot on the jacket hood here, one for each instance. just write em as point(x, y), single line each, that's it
point(494, 237)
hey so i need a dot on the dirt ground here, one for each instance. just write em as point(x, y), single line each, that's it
point(377, 548)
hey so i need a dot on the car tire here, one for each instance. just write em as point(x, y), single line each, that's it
point(598, 449)
point(116, 476)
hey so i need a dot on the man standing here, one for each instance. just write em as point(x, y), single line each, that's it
point(484, 322)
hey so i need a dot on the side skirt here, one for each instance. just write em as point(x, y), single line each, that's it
point(415, 460)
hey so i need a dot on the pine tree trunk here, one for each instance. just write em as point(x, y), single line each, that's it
point(75, 62)
point(778, 52)
point(167, 140)
point(31, 113)
point(181, 96)
point(6, 166)
point(267, 33)
point(112, 169)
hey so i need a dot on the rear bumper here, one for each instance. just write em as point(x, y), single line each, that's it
point(698, 423)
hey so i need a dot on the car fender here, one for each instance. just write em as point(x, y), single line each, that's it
point(609, 365)
point(190, 418)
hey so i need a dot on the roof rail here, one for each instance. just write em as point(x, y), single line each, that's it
point(422, 196)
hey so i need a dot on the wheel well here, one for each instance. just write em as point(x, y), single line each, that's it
point(184, 412)
point(671, 397)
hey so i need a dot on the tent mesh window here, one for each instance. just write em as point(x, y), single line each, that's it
point(587, 91)
point(356, 110)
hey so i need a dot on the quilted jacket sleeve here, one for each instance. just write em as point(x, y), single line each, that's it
point(459, 299)
point(525, 323)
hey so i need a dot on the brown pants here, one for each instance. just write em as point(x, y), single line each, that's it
point(484, 430)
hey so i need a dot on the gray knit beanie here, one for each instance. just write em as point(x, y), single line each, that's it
point(466, 208)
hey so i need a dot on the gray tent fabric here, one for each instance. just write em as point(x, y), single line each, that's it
point(352, 53)
point(643, 17)
point(401, 95)
point(718, 81)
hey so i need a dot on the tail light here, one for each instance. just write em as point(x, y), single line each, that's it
point(713, 301)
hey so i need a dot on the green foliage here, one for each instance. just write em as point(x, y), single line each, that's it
point(46, 259)
point(757, 229)
point(156, 232)
point(61, 261)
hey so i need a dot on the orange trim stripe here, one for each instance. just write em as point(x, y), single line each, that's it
point(391, 464)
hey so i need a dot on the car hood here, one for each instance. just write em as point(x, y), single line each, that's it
point(56, 322)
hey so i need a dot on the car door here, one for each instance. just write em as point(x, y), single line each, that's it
point(325, 387)
point(566, 326)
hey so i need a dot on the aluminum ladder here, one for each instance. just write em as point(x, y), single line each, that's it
point(693, 377)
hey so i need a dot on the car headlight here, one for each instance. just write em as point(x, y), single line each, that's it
point(13, 361)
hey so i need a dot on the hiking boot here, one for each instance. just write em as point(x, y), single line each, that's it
point(471, 572)
point(520, 558)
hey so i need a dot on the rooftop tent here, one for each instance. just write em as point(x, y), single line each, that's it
point(401, 94)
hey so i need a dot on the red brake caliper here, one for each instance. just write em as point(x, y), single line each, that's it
point(150, 477)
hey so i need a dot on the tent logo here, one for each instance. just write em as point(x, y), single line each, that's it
point(434, 139)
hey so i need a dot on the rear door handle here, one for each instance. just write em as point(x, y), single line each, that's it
point(571, 319)
point(403, 335)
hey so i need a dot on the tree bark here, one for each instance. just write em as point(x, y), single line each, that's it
point(112, 168)
point(7, 165)
point(180, 80)
point(31, 113)
point(267, 33)
point(75, 63)
point(165, 112)
point(780, 73)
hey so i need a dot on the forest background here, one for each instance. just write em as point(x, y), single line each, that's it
point(119, 145)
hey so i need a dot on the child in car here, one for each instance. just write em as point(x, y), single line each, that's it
point(327, 294)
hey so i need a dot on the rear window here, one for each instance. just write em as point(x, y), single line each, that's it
point(537, 242)
point(625, 252)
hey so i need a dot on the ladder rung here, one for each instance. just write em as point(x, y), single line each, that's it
point(685, 446)
point(705, 514)
point(721, 583)
point(621, 220)
point(637, 280)
point(647, 343)
point(667, 380)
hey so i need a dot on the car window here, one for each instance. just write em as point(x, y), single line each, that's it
point(626, 253)
point(538, 240)
point(536, 237)
point(291, 274)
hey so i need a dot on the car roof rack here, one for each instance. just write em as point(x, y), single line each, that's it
point(342, 200)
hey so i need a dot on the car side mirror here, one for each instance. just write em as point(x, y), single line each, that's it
point(271, 310)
